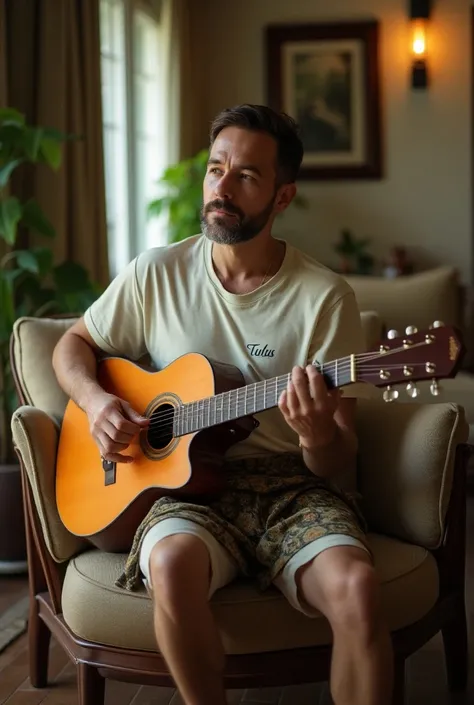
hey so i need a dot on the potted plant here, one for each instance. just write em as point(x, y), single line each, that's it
point(31, 284)
point(181, 196)
point(353, 255)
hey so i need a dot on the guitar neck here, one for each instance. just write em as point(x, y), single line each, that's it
point(251, 399)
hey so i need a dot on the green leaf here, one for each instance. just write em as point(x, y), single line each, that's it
point(26, 260)
point(10, 214)
point(44, 258)
point(34, 218)
point(7, 307)
point(11, 141)
point(37, 260)
point(6, 170)
point(31, 142)
point(70, 278)
point(50, 150)
point(11, 274)
point(57, 135)
point(9, 115)
point(156, 207)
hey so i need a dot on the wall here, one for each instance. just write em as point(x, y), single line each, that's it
point(424, 199)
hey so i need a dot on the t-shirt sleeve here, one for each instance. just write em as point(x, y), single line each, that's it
point(339, 333)
point(115, 320)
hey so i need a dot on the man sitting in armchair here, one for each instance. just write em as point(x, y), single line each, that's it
point(237, 294)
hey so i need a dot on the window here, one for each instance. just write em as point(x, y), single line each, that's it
point(132, 101)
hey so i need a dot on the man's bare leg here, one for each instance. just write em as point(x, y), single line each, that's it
point(184, 625)
point(341, 583)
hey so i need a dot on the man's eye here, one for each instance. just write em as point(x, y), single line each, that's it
point(214, 170)
point(246, 176)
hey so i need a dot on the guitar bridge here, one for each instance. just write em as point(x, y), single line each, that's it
point(110, 471)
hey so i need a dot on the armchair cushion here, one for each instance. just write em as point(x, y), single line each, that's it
point(95, 609)
point(406, 466)
point(372, 326)
point(417, 299)
point(35, 434)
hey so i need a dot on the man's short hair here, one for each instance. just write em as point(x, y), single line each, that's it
point(280, 126)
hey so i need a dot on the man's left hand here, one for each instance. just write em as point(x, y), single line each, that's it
point(309, 407)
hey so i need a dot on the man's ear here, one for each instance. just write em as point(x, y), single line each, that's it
point(285, 195)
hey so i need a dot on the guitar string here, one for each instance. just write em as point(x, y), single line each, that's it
point(265, 385)
point(162, 430)
point(191, 412)
point(196, 408)
point(157, 435)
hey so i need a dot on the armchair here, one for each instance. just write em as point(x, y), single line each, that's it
point(411, 475)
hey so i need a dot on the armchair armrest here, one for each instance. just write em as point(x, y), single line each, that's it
point(406, 465)
point(35, 436)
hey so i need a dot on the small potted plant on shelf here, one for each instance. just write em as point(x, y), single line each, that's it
point(354, 257)
point(31, 284)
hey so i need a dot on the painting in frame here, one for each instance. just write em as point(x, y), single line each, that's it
point(326, 76)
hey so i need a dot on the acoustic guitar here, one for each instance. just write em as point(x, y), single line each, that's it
point(198, 408)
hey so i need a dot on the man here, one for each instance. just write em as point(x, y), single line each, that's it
point(237, 294)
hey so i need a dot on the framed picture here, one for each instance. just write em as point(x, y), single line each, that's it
point(326, 76)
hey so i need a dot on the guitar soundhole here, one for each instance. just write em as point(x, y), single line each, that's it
point(160, 431)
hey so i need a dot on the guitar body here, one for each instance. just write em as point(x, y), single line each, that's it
point(105, 502)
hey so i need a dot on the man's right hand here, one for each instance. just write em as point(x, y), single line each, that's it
point(113, 425)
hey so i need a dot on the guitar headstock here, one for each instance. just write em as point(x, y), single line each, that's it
point(418, 355)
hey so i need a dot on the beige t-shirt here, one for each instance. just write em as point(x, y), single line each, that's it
point(169, 301)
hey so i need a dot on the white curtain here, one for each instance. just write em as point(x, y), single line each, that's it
point(180, 77)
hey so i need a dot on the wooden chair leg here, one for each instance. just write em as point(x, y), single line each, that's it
point(399, 682)
point(456, 649)
point(39, 638)
point(91, 685)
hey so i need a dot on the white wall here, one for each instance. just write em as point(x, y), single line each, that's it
point(424, 199)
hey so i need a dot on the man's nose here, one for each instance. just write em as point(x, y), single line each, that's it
point(223, 188)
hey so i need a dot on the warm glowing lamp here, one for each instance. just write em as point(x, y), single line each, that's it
point(419, 15)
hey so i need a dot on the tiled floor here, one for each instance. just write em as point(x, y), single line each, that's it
point(426, 678)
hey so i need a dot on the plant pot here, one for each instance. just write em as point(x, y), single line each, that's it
point(12, 522)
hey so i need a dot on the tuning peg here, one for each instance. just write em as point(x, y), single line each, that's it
point(435, 388)
point(392, 334)
point(437, 324)
point(412, 390)
point(390, 394)
point(411, 330)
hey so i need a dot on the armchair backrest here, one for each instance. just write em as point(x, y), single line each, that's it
point(32, 346)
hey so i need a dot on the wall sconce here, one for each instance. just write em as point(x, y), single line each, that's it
point(419, 15)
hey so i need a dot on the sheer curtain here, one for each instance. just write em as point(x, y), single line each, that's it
point(180, 137)
point(149, 92)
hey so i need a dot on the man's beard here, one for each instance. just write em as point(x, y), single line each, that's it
point(240, 229)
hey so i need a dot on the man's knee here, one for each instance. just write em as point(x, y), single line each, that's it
point(176, 563)
point(346, 591)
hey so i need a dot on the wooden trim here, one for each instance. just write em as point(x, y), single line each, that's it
point(43, 571)
point(451, 556)
point(278, 668)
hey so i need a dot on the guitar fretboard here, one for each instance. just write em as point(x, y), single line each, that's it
point(251, 399)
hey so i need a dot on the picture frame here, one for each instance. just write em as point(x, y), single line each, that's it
point(326, 76)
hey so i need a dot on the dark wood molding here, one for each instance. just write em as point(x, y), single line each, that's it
point(368, 33)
